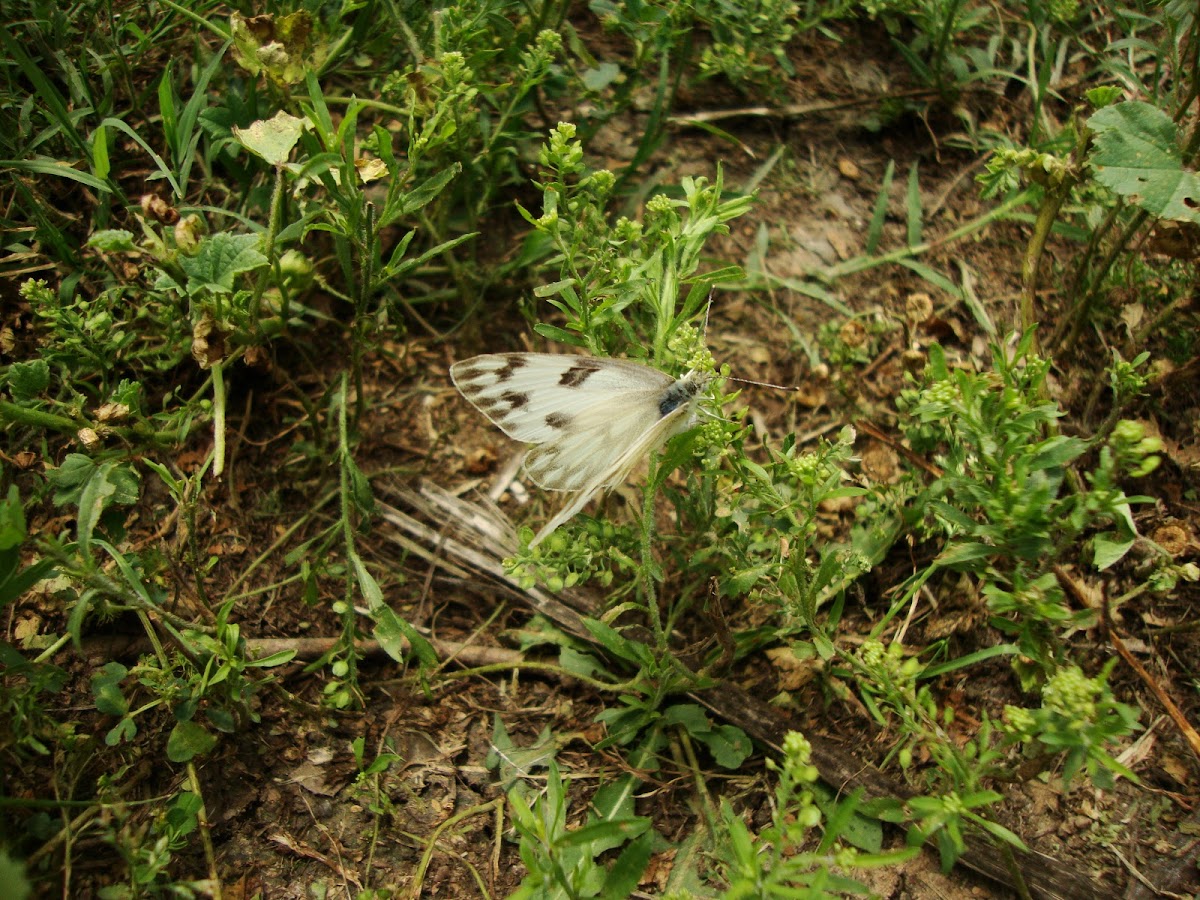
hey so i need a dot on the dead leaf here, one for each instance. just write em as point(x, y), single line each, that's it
point(794, 671)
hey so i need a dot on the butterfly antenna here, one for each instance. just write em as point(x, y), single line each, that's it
point(712, 291)
point(766, 384)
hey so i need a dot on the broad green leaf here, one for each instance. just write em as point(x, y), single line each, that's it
point(27, 380)
point(600, 76)
point(222, 258)
point(728, 744)
point(92, 500)
point(1109, 549)
point(626, 872)
point(12, 876)
point(189, 740)
point(106, 689)
point(12, 526)
point(1137, 154)
point(691, 716)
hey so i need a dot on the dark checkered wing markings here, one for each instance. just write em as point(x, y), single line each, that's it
point(535, 397)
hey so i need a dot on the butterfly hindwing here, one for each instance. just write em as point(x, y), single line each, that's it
point(592, 440)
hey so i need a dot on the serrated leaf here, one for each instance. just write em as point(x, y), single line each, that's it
point(220, 260)
point(1137, 154)
point(27, 380)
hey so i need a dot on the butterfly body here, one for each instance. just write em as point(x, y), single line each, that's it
point(591, 419)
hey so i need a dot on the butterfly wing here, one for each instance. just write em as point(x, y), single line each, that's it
point(662, 429)
point(592, 419)
point(535, 397)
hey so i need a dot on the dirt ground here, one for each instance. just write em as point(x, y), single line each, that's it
point(287, 818)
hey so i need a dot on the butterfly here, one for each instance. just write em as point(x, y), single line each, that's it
point(590, 419)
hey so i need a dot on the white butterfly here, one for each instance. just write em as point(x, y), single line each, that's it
point(591, 418)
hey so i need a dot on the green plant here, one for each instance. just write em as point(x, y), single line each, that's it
point(148, 850)
point(748, 39)
point(889, 686)
point(1004, 499)
point(561, 861)
point(777, 862)
point(1079, 717)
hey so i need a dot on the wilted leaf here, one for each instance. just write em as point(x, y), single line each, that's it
point(271, 139)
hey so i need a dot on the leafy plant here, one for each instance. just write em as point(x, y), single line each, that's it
point(561, 861)
point(1005, 500)
point(1079, 717)
point(777, 862)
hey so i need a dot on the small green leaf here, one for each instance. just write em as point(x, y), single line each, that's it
point(601, 76)
point(1109, 549)
point(960, 554)
point(620, 830)
point(189, 740)
point(27, 380)
point(125, 730)
point(1057, 452)
point(183, 816)
point(274, 659)
point(391, 631)
point(560, 335)
point(1137, 154)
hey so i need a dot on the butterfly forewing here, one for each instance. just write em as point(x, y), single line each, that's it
point(532, 396)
